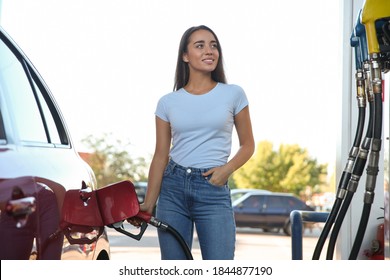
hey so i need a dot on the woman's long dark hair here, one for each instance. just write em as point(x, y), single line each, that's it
point(182, 70)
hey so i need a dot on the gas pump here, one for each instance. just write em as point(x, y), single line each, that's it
point(371, 42)
point(376, 18)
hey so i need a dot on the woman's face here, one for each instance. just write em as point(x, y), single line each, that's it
point(202, 53)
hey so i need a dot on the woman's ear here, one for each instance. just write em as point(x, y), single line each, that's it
point(185, 57)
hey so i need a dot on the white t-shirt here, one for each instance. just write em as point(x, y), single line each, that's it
point(202, 125)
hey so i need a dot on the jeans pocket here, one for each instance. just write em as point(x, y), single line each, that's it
point(207, 179)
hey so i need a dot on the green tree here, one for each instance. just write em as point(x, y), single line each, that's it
point(111, 161)
point(289, 169)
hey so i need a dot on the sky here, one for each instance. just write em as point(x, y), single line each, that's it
point(108, 62)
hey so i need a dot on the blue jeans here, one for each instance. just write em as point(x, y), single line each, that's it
point(187, 199)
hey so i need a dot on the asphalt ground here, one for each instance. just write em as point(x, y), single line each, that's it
point(251, 244)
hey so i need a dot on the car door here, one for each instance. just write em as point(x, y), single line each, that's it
point(248, 213)
point(275, 210)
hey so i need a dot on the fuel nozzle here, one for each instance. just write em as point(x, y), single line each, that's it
point(374, 11)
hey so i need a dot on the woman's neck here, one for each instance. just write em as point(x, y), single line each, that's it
point(200, 86)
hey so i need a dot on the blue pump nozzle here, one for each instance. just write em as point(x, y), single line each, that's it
point(360, 31)
point(355, 43)
point(358, 41)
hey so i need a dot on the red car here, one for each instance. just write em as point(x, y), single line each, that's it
point(38, 165)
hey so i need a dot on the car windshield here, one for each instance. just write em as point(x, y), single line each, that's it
point(238, 193)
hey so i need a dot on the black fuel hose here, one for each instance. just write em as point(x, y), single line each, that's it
point(345, 177)
point(361, 231)
point(326, 229)
point(372, 172)
point(352, 185)
point(166, 227)
point(337, 225)
point(359, 130)
point(180, 239)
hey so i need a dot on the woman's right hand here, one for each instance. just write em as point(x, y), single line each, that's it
point(136, 221)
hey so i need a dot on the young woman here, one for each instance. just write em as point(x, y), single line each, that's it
point(190, 167)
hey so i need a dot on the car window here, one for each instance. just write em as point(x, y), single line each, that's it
point(30, 111)
point(16, 87)
point(50, 123)
point(275, 203)
point(236, 195)
point(294, 203)
point(3, 139)
point(253, 203)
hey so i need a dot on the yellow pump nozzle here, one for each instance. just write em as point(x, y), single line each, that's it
point(372, 11)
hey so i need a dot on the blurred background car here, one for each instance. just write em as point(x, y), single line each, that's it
point(38, 165)
point(140, 190)
point(268, 211)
